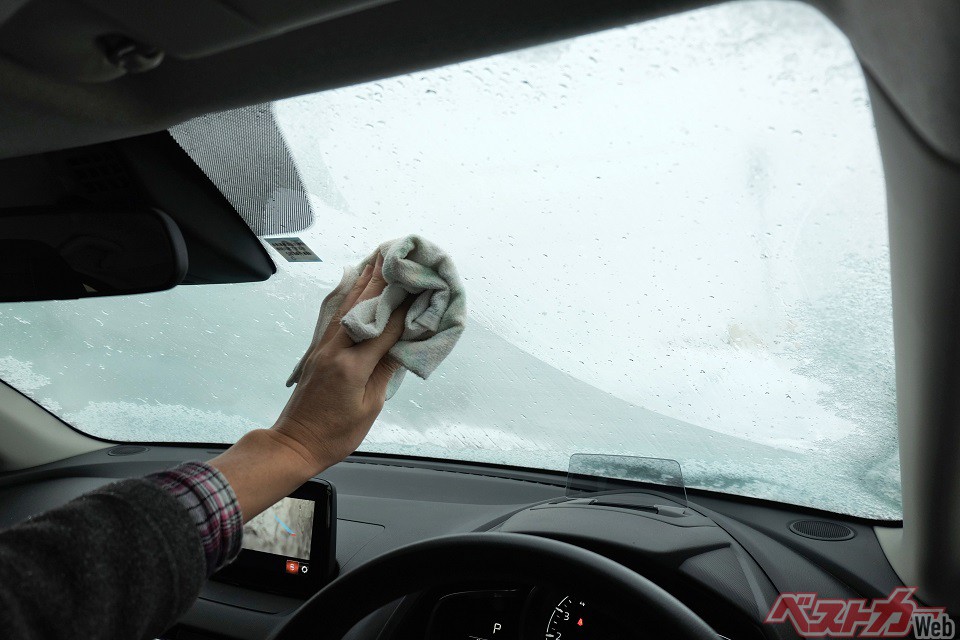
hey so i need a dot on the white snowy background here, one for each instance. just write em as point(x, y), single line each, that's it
point(673, 239)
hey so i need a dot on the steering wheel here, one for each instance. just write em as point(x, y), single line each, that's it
point(507, 557)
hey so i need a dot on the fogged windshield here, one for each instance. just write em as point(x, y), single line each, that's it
point(673, 239)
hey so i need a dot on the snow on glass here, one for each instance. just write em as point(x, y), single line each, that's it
point(673, 237)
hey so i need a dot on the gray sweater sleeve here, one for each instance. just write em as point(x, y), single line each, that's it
point(123, 562)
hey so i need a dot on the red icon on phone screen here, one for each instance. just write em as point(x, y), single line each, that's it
point(293, 566)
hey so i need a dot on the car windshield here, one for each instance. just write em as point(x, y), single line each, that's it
point(672, 236)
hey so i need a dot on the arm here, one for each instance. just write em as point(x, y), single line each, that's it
point(127, 560)
point(124, 561)
point(340, 393)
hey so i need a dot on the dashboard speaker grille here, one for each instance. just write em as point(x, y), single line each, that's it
point(822, 530)
point(126, 450)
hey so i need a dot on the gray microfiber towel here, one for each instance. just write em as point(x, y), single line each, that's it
point(434, 323)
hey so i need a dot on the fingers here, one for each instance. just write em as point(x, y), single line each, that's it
point(349, 300)
point(371, 352)
point(377, 284)
point(374, 286)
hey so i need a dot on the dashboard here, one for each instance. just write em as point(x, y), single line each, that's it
point(726, 558)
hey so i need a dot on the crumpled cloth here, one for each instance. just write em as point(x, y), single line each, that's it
point(434, 322)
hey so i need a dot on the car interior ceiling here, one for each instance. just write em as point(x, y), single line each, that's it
point(69, 82)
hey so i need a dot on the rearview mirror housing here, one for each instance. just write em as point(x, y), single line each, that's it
point(55, 253)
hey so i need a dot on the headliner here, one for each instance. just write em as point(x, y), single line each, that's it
point(62, 93)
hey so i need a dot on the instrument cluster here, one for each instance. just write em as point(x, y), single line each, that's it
point(521, 614)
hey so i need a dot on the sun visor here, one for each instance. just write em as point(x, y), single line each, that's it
point(102, 40)
point(218, 24)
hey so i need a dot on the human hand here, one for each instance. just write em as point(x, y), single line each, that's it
point(343, 385)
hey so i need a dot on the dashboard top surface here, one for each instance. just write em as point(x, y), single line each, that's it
point(725, 559)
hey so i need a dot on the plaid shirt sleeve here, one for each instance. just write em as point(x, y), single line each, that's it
point(207, 496)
